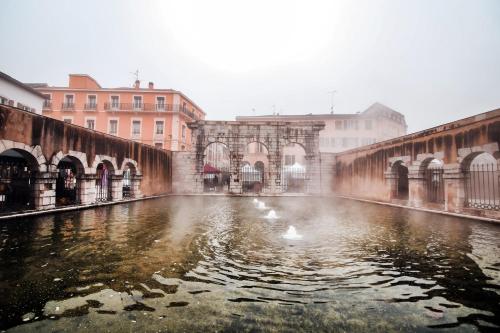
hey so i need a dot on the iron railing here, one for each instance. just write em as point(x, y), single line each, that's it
point(90, 106)
point(482, 187)
point(16, 185)
point(151, 107)
point(66, 187)
point(47, 104)
point(68, 106)
point(434, 185)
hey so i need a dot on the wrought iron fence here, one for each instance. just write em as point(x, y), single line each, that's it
point(252, 179)
point(293, 178)
point(482, 187)
point(16, 185)
point(434, 185)
point(66, 189)
point(103, 187)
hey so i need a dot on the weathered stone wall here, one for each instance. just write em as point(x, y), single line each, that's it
point(366, 172)
point(49, 140)
point(327, 172)
point(274, 135)
point(184, 173)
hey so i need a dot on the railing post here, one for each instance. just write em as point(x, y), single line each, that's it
point(454, 189)
point(44, 190)
point(416, 186)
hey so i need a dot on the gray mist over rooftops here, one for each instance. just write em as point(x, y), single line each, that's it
point(433, 61)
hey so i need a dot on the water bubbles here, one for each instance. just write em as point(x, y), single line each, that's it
point(292, 234)
point(271, 215)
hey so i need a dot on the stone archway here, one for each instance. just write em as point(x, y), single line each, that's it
point(274, 135)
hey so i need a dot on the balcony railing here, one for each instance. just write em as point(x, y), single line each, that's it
point(47, 105)
point(149, 107)
point(68, 106)
point(90, 106)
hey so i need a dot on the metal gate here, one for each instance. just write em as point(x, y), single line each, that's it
point(252, 179)
point(294, 178)
point(103, 185)
point(127, 184)
point(66, 187)
point(482, 187)
point(434, 185)
point(16, 185)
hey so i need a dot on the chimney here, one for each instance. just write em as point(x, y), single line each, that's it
point(151, 85)
point(137, 84)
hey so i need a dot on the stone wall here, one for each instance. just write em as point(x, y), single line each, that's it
point(369, 172)
point(45, 141)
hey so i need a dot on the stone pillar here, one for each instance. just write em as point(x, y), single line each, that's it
point(416, 186)
point(275, 181)
point(87, 191)
point(135, 186)
point(313, 174)
point(454, 188)
point(236, 185)
point(44, 190)
point(391, 183)
point(116, 187)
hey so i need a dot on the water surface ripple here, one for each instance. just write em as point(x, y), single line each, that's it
point(216, 263)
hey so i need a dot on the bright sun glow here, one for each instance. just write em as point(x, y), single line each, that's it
point(242, 36)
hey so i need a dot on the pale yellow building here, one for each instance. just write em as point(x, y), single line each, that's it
point(346, 131)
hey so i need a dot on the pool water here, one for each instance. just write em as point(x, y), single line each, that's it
point(200, 264)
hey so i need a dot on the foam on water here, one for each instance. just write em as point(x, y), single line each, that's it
point(292, 234)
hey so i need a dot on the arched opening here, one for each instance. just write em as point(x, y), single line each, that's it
point(253, 172)
point(129, 173)
point(69, 171)
point(104, 182)
point(434, 184)
point(17, 178)
point(294, 171)
point(400, 190)
point(481, 182)
point(216, 168)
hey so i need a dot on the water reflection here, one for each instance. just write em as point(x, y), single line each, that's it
point(215, 263)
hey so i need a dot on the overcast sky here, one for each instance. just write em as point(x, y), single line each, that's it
point(433, 61)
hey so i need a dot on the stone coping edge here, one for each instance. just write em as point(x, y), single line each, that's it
point(465, 216)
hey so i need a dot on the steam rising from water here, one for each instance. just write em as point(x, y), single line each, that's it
point(292, 234)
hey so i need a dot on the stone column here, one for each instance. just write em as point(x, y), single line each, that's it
point(116, 187)
point(275, 181)
point(87, 191)
point(135, 186)
point(235, 185)
point(313, 173)
point(44, 190)
point(454, 188)
point(416, 186)
point(391, 181)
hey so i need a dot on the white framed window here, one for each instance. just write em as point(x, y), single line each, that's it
point(136, 127)
point(90, 122)
point(69, 101)
point(138, 102)
point(159, 126)
point(368, 124)
point(113, 126)
point(91, 102)
point(183, 133)
point(68, 120)
point(160, 103)
point(115, 101)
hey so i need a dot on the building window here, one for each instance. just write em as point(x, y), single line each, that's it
point(138, 102)
point(183, 132)
point(136, 127)
point(69, 102)
point(350, 124)
point(338, 124)
point(160, 103)
point(159, 127)
point(92, 100)
point(184, 106)
point(368, 124)
point(113, 126)
point(90, 123)
point(115, 102)
point(68, 120)
point(159, 145)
